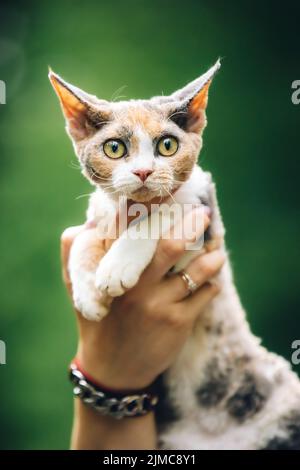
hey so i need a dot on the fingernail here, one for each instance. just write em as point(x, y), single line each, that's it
point(207, 210)
point(200, 212)
point(90, 223)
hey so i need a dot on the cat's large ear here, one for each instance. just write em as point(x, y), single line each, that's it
point(187, 106)
point(84, 113)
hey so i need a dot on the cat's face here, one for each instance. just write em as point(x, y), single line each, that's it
point(140, 153)
point(141, 149)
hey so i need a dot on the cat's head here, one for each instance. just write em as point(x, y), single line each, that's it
point(140, 149)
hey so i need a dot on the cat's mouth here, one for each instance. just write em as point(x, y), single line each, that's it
point(143, 194)
point(139, 192)
point(152, 190)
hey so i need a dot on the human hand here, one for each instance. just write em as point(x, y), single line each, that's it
point(148, 325)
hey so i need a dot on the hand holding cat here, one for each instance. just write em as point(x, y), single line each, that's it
point(148, 325)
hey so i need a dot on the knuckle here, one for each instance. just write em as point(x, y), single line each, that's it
point(215, 288)
point(65, 237)
point(206, 267)
point(69, 234)
point(151, 307)
point(173, 248)
point(212, 289)
point(176, 320)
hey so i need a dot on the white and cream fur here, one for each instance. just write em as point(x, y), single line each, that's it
point(225, 389)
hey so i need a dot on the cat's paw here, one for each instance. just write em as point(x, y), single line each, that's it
point(115, 276)
point(90, 306)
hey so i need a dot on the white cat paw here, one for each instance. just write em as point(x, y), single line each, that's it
point(115, 276)
point(90, 308)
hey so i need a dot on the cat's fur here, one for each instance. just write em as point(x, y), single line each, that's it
point(225, 391)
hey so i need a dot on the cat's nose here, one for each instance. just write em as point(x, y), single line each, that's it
point(142, 173)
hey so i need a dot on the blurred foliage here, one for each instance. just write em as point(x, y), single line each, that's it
point(251, 146)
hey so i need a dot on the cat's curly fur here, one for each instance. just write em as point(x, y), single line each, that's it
point(225, 391)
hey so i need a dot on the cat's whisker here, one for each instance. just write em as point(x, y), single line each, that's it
point(109, 188)
point(74, 166)
point(178, 181)
point(95, 174)
point(160, 187)
point(171, 195)
point(116, 95)
point(161, 194)
point(83, 195)
point(168, 192)
point(118, 98)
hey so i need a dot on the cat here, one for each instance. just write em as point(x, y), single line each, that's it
point(224, 391)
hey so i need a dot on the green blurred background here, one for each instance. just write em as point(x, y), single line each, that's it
point(251, 146)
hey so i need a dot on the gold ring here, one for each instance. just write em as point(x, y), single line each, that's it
point(191, 285)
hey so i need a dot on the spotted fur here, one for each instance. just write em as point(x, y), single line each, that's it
point(224, 391)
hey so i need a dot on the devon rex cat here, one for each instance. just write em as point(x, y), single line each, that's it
point(225, 391)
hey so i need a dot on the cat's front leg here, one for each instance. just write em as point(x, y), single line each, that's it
point(86, 252)
point(123, 264)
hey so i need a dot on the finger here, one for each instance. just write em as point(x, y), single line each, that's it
point(213, 244)
point(66, 241)
point(170, 249)
point(196, 303)
point(200, 269)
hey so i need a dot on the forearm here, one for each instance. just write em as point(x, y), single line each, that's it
point(96, 432)
point(139, 339)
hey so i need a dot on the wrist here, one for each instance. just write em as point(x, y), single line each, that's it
point(111, 375)
point(110, 402)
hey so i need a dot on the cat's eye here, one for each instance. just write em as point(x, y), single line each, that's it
point(167, 146)
point(114, 148)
